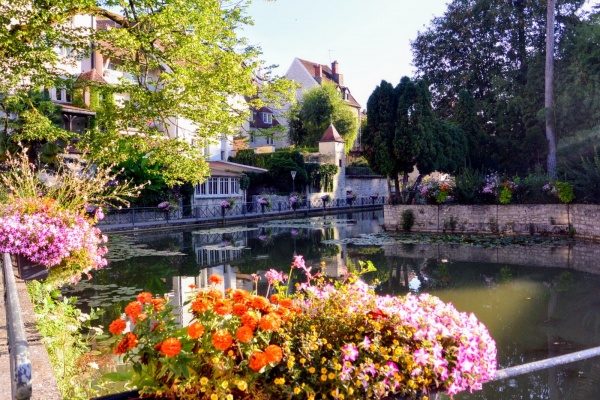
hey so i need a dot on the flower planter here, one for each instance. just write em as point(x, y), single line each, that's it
point(29, 270)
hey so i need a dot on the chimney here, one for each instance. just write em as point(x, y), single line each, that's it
point(339, 78)
point(318, 73)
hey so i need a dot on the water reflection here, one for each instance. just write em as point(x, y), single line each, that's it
point(538, 301)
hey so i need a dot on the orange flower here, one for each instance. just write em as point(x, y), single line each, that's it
point(260, 303)
point(193, 286)
point(133, 309)
point(144, 297)
point(222, 339)
point(244, 334)
point(214, 294)
point(117, 326)
point(200, 305)
point(239, 309)
point(257, 361)
point(159, 304)
point(170, 347)
point(240, 296)
point(284, 313)
point(250, 319)
point(223, 307)
point(127, 343)
point(195, 330)
point(274, 298)
point(287, 303)
point(215, 279)
point(273, 353)
point(270, 322)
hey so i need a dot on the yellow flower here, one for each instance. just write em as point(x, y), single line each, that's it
point(302, 360)
point(323, 360)
point(311, 370)
point(229, 397)
point(297, 390)
point(323, 370)
point(242, 385)
point(214, 397)
point(279, 381)
point(350, 391)
point(203, 381)
point(331, 376)
point(224, 384)
point(329, 346)
point(323, 378)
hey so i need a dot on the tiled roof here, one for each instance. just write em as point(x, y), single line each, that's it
point(91, 75)
point(328, 76)
point(331, 135)
point(257, 122)
point(225, 168)
point(71, 109)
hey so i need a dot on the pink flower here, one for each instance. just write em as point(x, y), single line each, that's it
point(350, 352)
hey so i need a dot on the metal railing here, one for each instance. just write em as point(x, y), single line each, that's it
point(20, 362)
point(132, 216)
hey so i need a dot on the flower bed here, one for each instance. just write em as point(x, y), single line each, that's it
point(334, 340)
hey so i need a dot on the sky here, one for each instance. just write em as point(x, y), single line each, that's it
point(370, 39)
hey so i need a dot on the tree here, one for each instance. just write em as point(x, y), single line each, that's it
point(378, 135)
point(478, 143)
point(184, 60)
point(495, 50)
point(403, 132)
point(321, 106)
point(549, 90)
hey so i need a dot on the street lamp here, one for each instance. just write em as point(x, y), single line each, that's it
point(293, 173)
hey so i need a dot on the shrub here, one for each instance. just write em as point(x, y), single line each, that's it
point(467, 186)
point(408, 219)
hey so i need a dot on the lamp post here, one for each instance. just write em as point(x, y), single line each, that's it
point(293, 173)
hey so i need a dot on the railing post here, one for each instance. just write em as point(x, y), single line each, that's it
point(20, 363)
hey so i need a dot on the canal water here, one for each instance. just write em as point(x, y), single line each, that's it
point(538, 297)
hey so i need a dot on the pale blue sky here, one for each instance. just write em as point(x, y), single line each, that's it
point(370, 39)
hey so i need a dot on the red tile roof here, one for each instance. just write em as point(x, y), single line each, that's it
point(331, 135)
point(91, 75)
point(327, 75)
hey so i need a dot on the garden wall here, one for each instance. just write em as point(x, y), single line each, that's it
point(506, 219)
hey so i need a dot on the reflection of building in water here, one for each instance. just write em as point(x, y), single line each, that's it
point(334, 264)
point(220, 247)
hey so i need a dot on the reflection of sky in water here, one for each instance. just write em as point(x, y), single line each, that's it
point(533, 313)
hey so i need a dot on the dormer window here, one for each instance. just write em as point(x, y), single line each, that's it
point(62, 95)
point(267, 118)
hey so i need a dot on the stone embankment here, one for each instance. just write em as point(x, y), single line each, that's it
point(515, 219)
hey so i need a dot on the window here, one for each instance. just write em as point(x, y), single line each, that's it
point(224, 185)
point(218, 187)
point(270, 140)
point(63, 95)
point(267, 118)
point(58, 94)
point(252, 137)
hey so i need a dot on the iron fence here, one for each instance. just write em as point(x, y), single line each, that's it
point(133, 216)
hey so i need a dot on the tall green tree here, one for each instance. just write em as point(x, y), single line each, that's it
point(478, 143)
point(495, 49)
point(378, 134)
point(180, 59)
point(321, 106)
point(403, 133)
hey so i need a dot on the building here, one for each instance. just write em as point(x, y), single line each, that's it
point(309, 74)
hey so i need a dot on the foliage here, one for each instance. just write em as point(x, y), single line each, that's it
point(495, 51)
point(467, 186)
point(324, 175)
point(329, 339)
point(586, 178)
point(74, 186)
point(320, 107)
point(179, 61)
point(408, 220)
point(61, 324)
point(434, 191)
point(402, 132)
point(565, 191)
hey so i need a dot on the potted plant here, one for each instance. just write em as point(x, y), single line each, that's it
point(326, 198)
point(374, 197)
point(350, 197)
point(264, 203)
point(294, 202)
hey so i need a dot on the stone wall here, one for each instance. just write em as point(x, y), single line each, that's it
point(364, 186)
point(506, 219)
